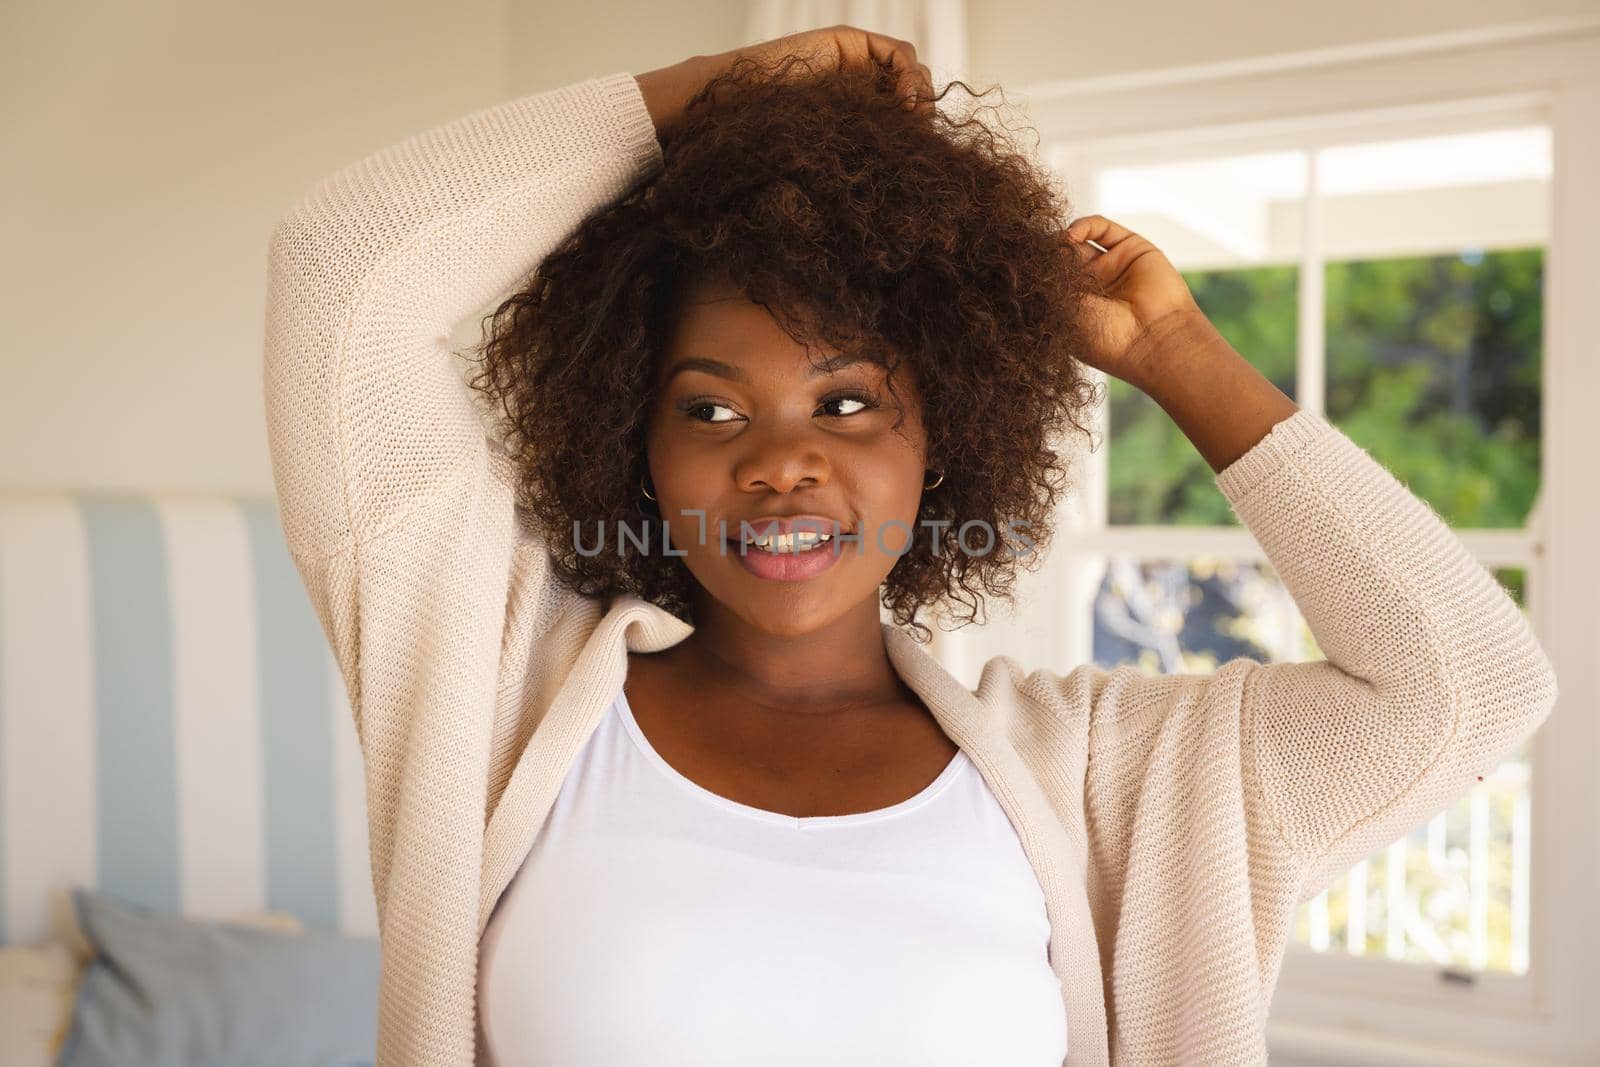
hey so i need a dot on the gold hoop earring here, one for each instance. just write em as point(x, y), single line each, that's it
point(936, 482)
point(643, 490)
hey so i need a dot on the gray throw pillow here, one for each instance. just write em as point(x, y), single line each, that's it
point(166, 991)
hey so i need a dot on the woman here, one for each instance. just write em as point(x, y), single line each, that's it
point(690, 800)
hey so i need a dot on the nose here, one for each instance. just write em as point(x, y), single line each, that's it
point(782, 461)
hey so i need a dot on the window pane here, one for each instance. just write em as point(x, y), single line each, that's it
point(1190, 615)
point(1154, 473)
point(1432, 257)
point(1434, 367)
point(1433, 310)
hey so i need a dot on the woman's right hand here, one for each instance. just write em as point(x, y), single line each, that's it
point(668, 89)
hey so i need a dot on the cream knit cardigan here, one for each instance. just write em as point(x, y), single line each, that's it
point(1175, 823)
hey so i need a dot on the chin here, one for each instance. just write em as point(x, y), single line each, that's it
point(787, 612)
point(795, 625)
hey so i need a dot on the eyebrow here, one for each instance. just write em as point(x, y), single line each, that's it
point(736, 374)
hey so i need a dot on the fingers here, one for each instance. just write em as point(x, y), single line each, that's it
point(1116, 247)
point(1101, 230)
point(1119, 246)
point(1078, 245)
point(899, 54)
point(915, 79)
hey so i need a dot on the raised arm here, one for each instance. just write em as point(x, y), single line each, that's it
point(1215, 805)
point(370, 271)
point(383, 467)
point(1431, 676)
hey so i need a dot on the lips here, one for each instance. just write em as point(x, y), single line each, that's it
point(788, 564)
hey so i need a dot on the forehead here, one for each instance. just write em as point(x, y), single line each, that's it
point(720, 330)
point(715, 313)
point(716, 321)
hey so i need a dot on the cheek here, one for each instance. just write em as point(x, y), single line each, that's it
point(681, 469)
point(663, 454)
point(891, 475)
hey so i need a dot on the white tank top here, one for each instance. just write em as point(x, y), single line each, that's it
point(655, 921)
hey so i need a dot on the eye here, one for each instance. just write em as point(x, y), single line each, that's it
point(863, 401)
point(695, 408)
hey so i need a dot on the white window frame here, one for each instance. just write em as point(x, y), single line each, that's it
point(1329, 1007)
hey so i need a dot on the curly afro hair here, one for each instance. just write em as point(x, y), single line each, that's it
point(858, 224)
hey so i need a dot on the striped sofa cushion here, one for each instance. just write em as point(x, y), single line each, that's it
point(173, 728)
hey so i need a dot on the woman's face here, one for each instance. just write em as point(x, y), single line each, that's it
point(746, 427)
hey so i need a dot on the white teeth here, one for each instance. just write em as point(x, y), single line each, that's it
point(804, 540)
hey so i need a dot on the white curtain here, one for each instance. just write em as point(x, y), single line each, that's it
point(937, 27)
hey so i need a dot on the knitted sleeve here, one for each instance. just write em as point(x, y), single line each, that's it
point(375, 437)
point(1431, 677)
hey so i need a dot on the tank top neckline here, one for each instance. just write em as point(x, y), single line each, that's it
point(799, 822)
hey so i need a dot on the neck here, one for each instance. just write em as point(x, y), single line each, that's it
point(842, 664)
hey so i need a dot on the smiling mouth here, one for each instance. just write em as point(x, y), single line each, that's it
point(789, 543)
point(785, 535)
point(796, 556)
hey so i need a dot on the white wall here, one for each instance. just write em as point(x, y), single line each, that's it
point(557, 43)
point(149, 147)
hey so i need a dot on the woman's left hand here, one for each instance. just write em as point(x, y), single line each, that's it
point(1142, 289)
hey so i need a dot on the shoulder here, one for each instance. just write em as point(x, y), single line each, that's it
point(1041, 703)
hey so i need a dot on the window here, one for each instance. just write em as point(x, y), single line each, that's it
point(1425, 258)
point(1395, 284)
